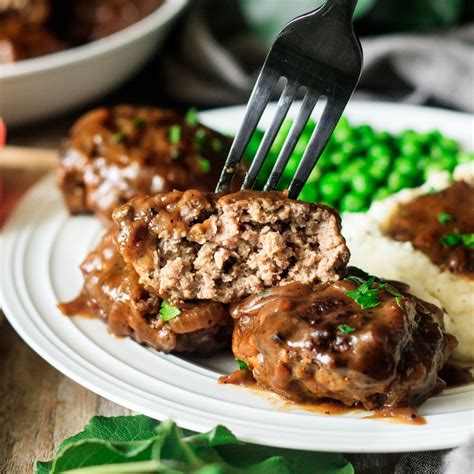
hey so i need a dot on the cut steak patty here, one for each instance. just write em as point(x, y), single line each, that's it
point(112, 292)
point(192, 245)
point(307, 343)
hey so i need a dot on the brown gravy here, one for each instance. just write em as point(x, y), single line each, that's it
point(455, 375)
point(426, 219)
point(405, 415)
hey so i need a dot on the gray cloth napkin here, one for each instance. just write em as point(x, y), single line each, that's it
point(208, 69)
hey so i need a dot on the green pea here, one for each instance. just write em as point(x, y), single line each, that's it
point(314, 176)
point(378, 171)
point(397, 181)
point(465, 157)
point(381, 193)
point(349, 148)
point(331, 187)
point(337, 158)
point(353, 203)
point(406, 165)
point(343, 131)
point(362, 184)
point(411, 147)
point(436, 152)
point(309, 193)
point(433, 167)
point(379, 151)
point(351, 168)
point(448, 163)
point(281, 136)
point(253, 145)
point(449, 144)
point(383, 137)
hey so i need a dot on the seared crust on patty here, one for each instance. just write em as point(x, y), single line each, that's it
point(306, 343)
point(114, 154)
point(192, 245)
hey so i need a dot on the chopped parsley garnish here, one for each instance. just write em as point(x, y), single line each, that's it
point(263, 292)
point(191, 117)
point(345, 329)
point(432, 191)
point(174, 135)
point(199, 137)
point(118, 137)
point(444, 217)
point(168, 312)
point(365, 296)
point(216, 145)
point(391, 290)
point(453, 239)
point(138, 122)
point(204, 164)
point(242, 365)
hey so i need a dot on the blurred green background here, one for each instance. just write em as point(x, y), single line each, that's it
point(267, 17)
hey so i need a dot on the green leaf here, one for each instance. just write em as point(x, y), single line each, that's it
point(191, 117)
point(119, 137)
point(204, 164)
point(345, 329)
point(242, 365)
point(139, 445)
point(168, 312)
point(174, 134)
point(219, 436)
point(138, 122)
point(453, 239)
point(116, 428)
point(42, 467)
point(366, 296)
point(86, 453)
point(444, 218)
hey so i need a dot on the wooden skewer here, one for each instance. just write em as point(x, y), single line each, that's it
point(36, 159)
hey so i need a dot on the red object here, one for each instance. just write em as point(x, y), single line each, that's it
point(3, 134)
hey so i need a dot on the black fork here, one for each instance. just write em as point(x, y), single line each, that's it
point(320, 53)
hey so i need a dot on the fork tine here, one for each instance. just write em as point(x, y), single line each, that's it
point(286, 99)
point(296, 130)
point(331, 115)
point(259, 98)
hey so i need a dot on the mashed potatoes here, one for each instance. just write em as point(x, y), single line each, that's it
point(387, 258)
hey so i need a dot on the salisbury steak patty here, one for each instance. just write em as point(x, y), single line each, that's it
point(114, 154)
point(112, 292)
point(192, 245)
point(309, 343)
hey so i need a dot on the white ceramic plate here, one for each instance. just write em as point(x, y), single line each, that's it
point(42, 249)
point(41, 87)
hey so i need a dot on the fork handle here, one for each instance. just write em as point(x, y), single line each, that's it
point(341, 7)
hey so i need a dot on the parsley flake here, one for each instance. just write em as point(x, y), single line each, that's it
point(191, 117)
point(366, 296)
point(168, 312)
point(454, 239)
point(118, 137)
point(204, 164)
point(345, 329)
point(199, 137)
point(174, 135)
point(138, 122)
point(444, 218)
point(216, 145)
point(242, 365)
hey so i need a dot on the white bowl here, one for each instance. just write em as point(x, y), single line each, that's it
point(48, 85)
